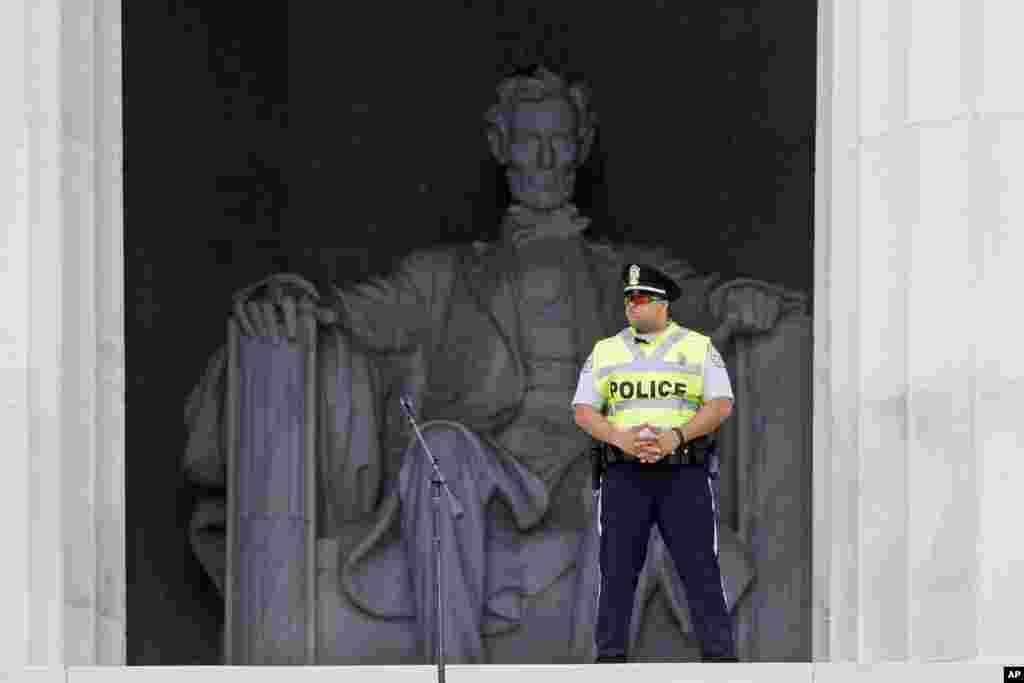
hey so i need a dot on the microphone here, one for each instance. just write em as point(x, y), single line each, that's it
point(406, 404)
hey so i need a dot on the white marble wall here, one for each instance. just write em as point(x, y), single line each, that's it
point(919, 376)
point(62, 582)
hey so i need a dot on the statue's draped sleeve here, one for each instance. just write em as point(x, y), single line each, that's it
point(205, 465)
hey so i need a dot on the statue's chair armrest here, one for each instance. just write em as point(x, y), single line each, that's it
point(270, 437)
point(766, 486)
point(771, 374)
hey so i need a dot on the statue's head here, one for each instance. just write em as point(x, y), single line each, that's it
point(541, 130)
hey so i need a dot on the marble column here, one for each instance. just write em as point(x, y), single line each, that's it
point(920, 187)
point(62, 345)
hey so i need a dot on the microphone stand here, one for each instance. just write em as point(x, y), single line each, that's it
point(436, 481)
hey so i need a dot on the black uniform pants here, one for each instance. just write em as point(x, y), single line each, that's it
point(679, 500)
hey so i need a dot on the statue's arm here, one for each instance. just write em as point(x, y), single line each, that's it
point(718, 307)
point(395, 313)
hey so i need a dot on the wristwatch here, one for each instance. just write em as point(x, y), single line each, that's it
point(681, 448)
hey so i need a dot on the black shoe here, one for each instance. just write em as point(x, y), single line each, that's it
point(611, 659)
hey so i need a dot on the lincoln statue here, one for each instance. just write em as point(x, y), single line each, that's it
point(488, 339)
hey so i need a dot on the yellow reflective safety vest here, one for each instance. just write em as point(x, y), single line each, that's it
point(661, 383)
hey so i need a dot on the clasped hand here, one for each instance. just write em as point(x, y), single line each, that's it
point(645, 448)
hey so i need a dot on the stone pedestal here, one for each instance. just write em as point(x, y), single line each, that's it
point(920, 178)
point(62, 345)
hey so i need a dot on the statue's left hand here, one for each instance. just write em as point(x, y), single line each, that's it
point(750, 307)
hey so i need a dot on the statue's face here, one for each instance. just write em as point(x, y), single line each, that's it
point(542, 152)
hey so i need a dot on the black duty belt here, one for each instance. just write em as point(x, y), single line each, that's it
point(690, 454)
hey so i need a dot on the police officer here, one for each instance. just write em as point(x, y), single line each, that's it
point(650, 394)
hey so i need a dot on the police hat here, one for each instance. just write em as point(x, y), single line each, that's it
point(637, 277)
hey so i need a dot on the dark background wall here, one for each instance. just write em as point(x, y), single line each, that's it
point(331, 139)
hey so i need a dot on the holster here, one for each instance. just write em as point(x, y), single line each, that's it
point(597, 462)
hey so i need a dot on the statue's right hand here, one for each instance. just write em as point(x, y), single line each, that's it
point(270, 308)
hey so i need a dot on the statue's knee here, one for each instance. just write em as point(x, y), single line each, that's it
point(452, 444)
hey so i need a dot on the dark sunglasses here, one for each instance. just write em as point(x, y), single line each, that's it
point(638, 299)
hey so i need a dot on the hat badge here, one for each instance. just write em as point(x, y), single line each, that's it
point(634, 275)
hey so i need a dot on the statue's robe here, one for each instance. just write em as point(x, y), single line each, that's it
point(454, 328)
